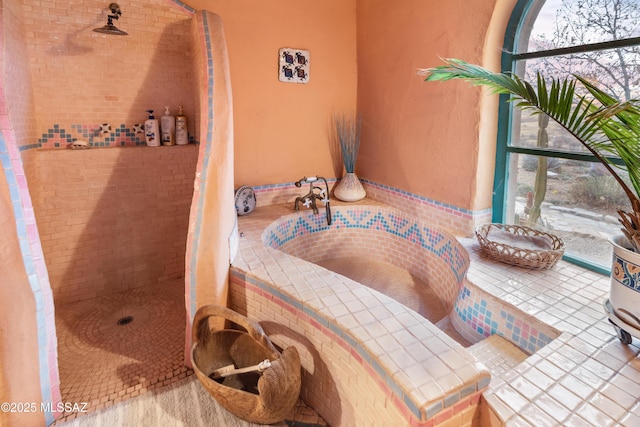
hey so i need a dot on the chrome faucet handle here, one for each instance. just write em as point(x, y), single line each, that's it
point(325, 200)
point(307, 202)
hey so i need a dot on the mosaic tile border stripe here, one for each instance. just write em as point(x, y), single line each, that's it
point(435, 241)
point(185, 7)
point(437, 412)
point(201, 173)
point(33, 259)
point(58, 136)
point(485, 317)
point(457, 220)
point(258, 189)
point(466, 213)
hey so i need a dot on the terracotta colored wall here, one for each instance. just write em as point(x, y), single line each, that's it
point(212, 216)
point(417, 136)
point(112, 219)
point(19, 372)
point(82, 79)
point(28, 370)
point(17, 72)
point(281, 129)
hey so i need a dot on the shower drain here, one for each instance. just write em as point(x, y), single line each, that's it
point(125, 320)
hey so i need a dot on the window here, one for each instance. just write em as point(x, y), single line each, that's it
point(544, 178)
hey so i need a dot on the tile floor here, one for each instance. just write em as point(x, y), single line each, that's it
point(183, 403)
point(585, 377)
point(115, 349)
point(121, 345)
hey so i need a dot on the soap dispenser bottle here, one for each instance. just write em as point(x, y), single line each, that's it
point(151, 130)
point(168, 128)
point(182, 134)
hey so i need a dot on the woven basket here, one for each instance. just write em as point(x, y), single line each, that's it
point(262, 399)
point(523, 257)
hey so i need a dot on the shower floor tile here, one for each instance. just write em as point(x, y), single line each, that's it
point(121, 345)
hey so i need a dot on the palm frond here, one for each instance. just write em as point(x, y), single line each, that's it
point(605, 126)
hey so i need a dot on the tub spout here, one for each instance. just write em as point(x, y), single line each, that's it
point(315, 193)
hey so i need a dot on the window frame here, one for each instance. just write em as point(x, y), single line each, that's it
point(522, 17)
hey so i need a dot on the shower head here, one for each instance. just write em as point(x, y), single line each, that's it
point(110, 28)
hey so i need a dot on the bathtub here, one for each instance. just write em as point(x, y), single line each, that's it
point(367, 359)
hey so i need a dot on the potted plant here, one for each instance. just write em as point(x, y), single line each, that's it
point(348, 127)
point(607, 128)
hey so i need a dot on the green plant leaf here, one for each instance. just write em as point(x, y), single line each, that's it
point(605, 126)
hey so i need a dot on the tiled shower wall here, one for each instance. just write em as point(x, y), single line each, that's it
point(17, 72)
point(82, 79)
point(112, 219)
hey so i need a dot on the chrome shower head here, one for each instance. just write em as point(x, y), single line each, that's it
point(110, 28)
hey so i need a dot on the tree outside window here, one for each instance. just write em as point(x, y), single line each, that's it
point(551, 182)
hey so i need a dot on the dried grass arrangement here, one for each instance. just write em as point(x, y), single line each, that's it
point(348, 127)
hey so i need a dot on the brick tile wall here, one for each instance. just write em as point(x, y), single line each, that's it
point(112, 219)
point(16, 70)
point(81, 79)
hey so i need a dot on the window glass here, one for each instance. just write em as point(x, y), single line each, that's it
point(564, 23)
point(615, 70)
point(527, 134)
point(552, 181)
point(574, 200)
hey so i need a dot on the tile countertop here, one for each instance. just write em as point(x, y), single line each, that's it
point(585, 377)
point(376, 323)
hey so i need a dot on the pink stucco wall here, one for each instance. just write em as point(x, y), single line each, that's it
point(212, 217)
point(27, 346)
point(420, 137)
point(282, 129)
point(428, 139)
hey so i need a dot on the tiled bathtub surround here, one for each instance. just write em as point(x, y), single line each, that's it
point(585, 376)
point(432, 255)
point(478, 315)
point(370, 356)
point(381, 233)
point(456, 220)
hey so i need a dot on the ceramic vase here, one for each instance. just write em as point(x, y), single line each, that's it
point(349, 189)
point(624, 292)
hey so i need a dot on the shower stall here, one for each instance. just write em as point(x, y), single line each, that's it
point(105, 232)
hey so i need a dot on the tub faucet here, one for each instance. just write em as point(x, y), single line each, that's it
point(315, 193)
